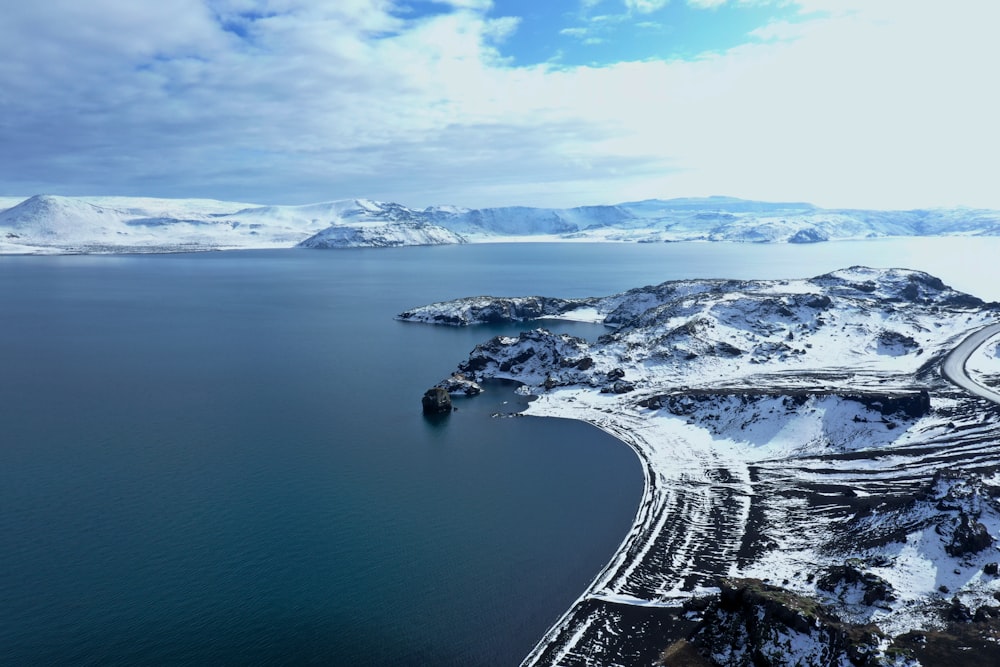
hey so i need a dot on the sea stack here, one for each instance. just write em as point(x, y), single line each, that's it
point(436, 401)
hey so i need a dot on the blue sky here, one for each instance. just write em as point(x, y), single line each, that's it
point(605, 32)
point(868, 103)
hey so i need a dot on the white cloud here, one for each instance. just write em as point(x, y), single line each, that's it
point(645, 6)
point(881, 102)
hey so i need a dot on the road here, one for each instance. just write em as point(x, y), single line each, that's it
point(953, 367)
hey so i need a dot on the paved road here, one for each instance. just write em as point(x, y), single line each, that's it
point(953, 367)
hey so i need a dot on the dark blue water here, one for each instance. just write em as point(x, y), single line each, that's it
point(220, 458)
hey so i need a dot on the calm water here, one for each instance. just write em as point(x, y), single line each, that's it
point(221, 458)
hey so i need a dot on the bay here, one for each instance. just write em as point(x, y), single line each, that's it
point(221, 458)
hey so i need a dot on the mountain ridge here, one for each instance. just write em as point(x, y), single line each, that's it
point(53, 223)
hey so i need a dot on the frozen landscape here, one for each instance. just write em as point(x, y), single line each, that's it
point(821, 470)
point(56, 224)
point(471, 333)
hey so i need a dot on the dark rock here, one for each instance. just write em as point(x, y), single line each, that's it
point(506, 354)
point(475, 363)
point(436, 401)
point(912, 404)
point(876, 589)
point(958, 612)
point(911, 292)
point(584, 364)
point(507, 364)
point(820, 302)
point(697, 604)
point(991, 569)
point(986, 613)
point(889, 338)
point(459, 384)
point(726, 350)
point(622, 387)
point(498, 310)
point(734, 598)
point(970, 537)
point(752, 621)
point(652, 403)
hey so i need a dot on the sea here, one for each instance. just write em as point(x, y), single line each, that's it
point(220, 458)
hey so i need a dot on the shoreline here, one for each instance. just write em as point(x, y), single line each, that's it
point(787, 434)
point(656, 567)
point(663, 559)
point(645, 500)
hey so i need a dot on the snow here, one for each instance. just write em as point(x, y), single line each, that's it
point(129, 224)
point(587, 314)
point(792, 401)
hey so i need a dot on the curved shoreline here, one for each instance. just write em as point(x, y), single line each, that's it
point(645, 502)
point(614, 586)
point(689, 500)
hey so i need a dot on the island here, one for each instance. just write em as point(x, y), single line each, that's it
point(820, 457)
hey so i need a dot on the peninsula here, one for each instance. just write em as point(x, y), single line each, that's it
point(821, 473)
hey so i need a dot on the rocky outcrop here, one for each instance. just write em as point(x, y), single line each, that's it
point(900, 405)
point(968, 536)
point(849, 581)
point(752, 623)
point(436, 401)
point(537, 358)
point(492, 310)
point(912, 404)
point(459, 384)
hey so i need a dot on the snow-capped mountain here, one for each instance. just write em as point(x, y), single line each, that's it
point(381, 235)
point(817, 490)
point(124, 224)
point(47, 223)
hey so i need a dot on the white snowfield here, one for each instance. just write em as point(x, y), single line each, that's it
point(48, 223)
point(786, 429)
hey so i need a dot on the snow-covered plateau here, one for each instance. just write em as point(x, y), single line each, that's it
point(817, 492)
point(56, 224)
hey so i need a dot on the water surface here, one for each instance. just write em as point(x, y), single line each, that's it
point(221, 458)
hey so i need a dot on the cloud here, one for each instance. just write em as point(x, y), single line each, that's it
point(873, 102)
point(645, 6)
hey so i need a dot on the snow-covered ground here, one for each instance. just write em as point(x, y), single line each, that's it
point(796, 432)
point(142, 224)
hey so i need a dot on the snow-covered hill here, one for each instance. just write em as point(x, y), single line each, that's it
point(47, 223)
point(872, 323)
point(797, 439)
point(381, 235)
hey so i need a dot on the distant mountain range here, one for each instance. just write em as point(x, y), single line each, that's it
point(54, 224)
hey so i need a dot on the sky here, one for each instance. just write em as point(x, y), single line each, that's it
point(842, 103)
